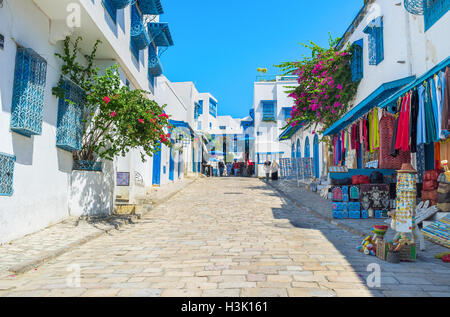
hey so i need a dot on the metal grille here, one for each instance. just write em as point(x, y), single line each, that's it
point(357, 61)
point(70, 117)
point(6, 174)
point(154, 63)
point(139, 33)
point(153, 7)
point(28, 92)
point(376, 46)
point(414, 6)
point(82, 165)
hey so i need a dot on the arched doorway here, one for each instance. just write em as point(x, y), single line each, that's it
point(293, 151)
point(316, 157)
point(307, 151)
point(299, 149)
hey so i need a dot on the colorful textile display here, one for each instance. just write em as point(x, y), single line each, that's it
point(439, 231)
point(387, 161)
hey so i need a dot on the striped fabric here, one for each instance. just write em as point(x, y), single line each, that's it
point(439, 231)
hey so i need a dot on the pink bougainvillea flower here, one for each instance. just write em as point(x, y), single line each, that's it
point(339, 86)
point(141, 120)
point(338, 96)
point(112, 114)
point(337, 104)
point(107, 99)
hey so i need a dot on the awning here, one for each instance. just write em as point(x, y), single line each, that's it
point(373, 100)
point(160, 33)
point(290, 131)
point(152, 7)
point(181, 124)
point(418, 81)
point(119, 4)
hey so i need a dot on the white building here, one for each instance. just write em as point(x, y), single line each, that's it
point(271, 108)
point(38, 183)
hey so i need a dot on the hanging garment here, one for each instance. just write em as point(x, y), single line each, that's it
point(366, 134)
point(420, 158)
point(413, 121)
point(421, 131)
point(438, 84)
point(446, 100)
point(437, 156)
point(386, 160)
point(394, 152)
point(434, 103)
point(375, 132)
point(402, 142)
point(429, 117)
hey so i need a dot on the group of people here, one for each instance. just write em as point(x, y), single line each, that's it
point(221, 169)
point(271, 169)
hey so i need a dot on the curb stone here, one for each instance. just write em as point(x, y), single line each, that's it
point(27, 266)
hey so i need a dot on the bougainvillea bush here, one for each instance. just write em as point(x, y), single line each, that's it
point(116, 119)
point(325, 87)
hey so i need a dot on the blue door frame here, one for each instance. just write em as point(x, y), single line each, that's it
point(171, 166)
point(299, 149)
point(179, 164)
point(156, 180)
point(307, 152)
point(316, 156)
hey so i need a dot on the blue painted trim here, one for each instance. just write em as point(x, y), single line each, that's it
point(434, 12)
point(357, 65)
point(152, 7)
point(373, 100)
point(376, 46)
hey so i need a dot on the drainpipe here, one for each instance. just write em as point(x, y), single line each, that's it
point(409, 55)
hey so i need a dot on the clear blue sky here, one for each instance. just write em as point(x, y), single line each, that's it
point(219, 44)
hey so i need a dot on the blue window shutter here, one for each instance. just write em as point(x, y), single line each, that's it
point(358, 61)
point(376, 45)
point(434, 10)
point(268, 110)
point(6, 174)
point(70, 117)
point(111, 9)
point(28, 92)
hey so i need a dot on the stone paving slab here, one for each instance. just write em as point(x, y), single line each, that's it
point(322, 208)
point(208, 241)
point(29, 252)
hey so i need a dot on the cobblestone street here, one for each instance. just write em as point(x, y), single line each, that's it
point(226, 237)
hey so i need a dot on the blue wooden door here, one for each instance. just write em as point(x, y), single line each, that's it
point(156, 168)
point(316, 156)
point(307, 153)
point(171, 166)
point(293, 150)
point(193, 160)
point(299, 149)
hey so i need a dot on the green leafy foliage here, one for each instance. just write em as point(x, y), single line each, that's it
point(116, 118)
point(325, 88)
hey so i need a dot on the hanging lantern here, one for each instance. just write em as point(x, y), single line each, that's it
point(415, 7)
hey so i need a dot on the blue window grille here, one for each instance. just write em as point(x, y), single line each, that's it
point(154, 63)
point(212, 108)
point(222, 127)
point(434, 10)
point(307, 148)
point(6, 174)
point(357, 61)
point(152, 7)
point(28, 92)
point(70, 117)
point(83, 165)
point(235, 143)
point(198, 110)
point(287, 113)
point(376, 46)
point(139, 33)
point(268, 110)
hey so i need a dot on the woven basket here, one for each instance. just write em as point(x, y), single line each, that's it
point(382, 249)
point(406, 253)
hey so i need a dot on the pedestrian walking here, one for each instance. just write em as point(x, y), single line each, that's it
point(236, 167)
point(221, 168)
point(267, 169)
point(275, 169)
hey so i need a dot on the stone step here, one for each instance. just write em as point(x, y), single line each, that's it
point(124, 209)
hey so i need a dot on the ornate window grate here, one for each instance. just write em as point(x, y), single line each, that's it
point(268, 110)
point(6, 174)
point(357, 61)
point(81, 165)
point(376, 46)
point(434, 10)
point(212, 108)
point(139, 33)
point(414, 6)
point(28, 92)
point(70, 117)
point(154, 63)
point(152, 7)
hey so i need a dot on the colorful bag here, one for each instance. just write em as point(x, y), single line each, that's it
point(360, 179)
point(386, 160)
point(430, 195)
point(337, 194)
point(431, 175)
point(430, 185)
point(354, 192)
